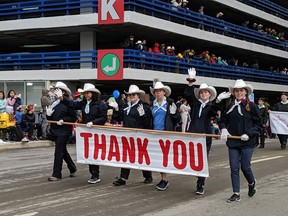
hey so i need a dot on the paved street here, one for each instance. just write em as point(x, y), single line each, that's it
point(25, 191)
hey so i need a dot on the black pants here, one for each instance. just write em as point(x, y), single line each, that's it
point(201, 180)
point(125, 173)
point(282, 139)
point(61, 154)
point(94, 170)
point(262, 137)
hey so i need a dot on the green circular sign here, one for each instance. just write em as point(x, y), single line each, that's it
point(110, 64)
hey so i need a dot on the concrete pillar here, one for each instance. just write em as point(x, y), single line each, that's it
point(87, 42)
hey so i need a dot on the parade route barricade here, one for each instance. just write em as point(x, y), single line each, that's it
point(153, 150)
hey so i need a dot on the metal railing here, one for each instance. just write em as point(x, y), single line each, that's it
point(156, 8)
point(45, 8)
point(193, 19)
point(138, 60)
point(269, 7)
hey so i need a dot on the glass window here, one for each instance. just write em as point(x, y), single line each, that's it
point(34, 92)
point(2, 87)
point(18, 87)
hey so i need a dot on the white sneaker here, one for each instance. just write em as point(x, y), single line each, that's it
point(1, 141)
point(25, 139)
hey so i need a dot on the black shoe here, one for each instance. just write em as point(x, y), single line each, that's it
point(119, 182)
point(94, 180)
point(148, 180)
point(52, 178)
point(261, 146)
point(234, 198)
point(162, 185)
point(283, 147)
point(252, 189)
point(199, 190)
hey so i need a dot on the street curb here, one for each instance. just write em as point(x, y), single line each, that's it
point(21, 145)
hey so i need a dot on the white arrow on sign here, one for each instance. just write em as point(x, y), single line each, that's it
point(107, 69)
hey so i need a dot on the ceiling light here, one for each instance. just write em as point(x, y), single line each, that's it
point(39, 45)
point(29, 84)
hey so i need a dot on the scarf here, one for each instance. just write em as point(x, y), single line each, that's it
point(286, 102)
point(87, 107)
point(130, 106)
point(236, 104)
point(55, 103)
point(203, 104)
point(162, 106)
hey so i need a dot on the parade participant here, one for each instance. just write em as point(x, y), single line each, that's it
point(185, 116)
point(241, 118)
point(264, 115)
point(165, 117)
point(282, 106)
point(61, 132)
point(94, 112)
point(135, 115)
point(202, 111)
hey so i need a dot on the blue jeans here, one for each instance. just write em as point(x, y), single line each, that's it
point(237, 157)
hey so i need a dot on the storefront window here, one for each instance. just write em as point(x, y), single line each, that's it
point(34, 92)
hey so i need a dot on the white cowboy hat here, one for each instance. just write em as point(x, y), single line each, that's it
point(204, 86)
point(159, 85)
point(63, 86)
point(241, 84)
point(134, 89)
point(88, 87)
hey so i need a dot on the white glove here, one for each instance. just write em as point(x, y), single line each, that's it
point(60, 122)
point(19, 96)
point(224, 134)
point(58, 93)
point(192, 73)
point(114, 105)
point(244, 137)
point(89, 124)
point(223, 95)
point(141, 110)
point(49, 111)
point(173, 109)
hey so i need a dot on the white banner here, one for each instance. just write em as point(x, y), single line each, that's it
point(279, 122)
point(178, 153)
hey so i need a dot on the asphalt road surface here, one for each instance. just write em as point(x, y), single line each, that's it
point(25, 191)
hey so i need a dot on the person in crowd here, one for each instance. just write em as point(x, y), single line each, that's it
point(94, 112)
point(201, 12)
point(51, 93)
point(185, 4)
point(28, 123)
point(139, 45)
point(3, 102)
point(200, 99)
point(241, 118)
point(162, 48)
point(13, 100)
point(135, 115)
point(246, 24)
point(176, 3)
point(185, 114)
point(59, 112)
point(264, 117)
point(156, 48)
point(45, 102)
point(282, 106)
point(144, 44)
point(165, 117)
point(219, 15)
point(122, 101)
point(128, 43)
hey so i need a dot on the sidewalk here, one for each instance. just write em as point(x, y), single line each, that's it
point(20, 145)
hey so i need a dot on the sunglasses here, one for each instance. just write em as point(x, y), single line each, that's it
point(133, 94)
